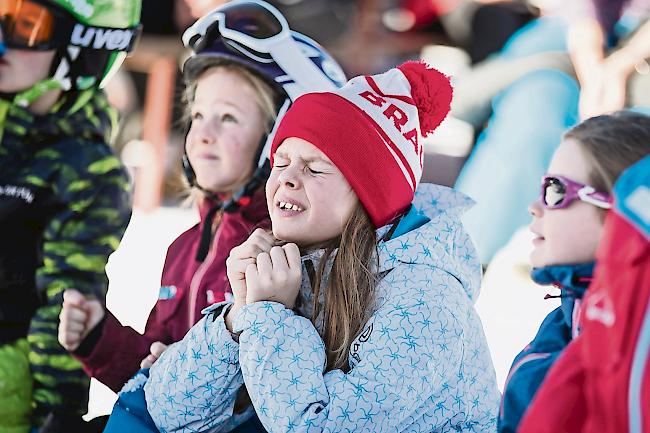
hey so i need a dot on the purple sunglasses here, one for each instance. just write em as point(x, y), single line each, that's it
point(558, 192)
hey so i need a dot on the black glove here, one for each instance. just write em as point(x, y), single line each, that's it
point(70, 423)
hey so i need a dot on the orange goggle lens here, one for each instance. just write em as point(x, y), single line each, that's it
point(25, 23)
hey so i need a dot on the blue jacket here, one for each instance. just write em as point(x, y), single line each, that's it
point(558, 328)
point(420, 364)
point(130, 414)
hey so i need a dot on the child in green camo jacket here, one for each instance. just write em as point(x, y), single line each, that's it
point(64, 196)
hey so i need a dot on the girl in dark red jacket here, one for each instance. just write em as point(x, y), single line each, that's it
point(233, 99)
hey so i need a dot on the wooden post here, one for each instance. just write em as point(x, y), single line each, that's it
point(156, 128)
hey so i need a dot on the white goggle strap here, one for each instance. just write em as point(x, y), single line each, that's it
point(584, 192)
point(307, 76)
point(218, 16)
point(201, 26)
point(266, 150)
point(282, 47)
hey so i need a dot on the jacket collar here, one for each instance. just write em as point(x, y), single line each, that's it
point(572, 280)
point(254, 211)
point(427, 234)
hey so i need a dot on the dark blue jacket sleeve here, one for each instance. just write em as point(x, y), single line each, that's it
point(130, 411)
point(529, 369)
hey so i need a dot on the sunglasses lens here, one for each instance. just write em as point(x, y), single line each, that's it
point(252, 20)
point(553, 192)
point(25, 24)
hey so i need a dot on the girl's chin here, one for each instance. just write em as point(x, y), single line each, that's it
point(536, 260)
point(288, 236)
point(294, 237)
point(216, 185)
point(541, 262)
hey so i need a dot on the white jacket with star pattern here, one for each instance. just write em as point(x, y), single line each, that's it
point(421, 363)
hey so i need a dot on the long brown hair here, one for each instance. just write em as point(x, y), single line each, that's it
point(350, 286)
point(612, 143)
point(349, 292)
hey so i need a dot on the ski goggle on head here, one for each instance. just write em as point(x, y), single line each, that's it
point(558, 192)
point(31, 25)
point(256, 26)
point(260, 32)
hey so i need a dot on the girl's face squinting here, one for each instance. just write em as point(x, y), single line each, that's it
point(308, 197)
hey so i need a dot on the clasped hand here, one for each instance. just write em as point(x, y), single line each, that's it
point(259, 270)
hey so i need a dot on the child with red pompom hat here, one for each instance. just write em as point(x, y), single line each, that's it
point(356, 314)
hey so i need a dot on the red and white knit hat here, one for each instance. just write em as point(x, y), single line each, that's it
point(370, 129)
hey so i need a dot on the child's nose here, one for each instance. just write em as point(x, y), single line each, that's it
point(208, 133)
point(535, 209)
point(289, 177)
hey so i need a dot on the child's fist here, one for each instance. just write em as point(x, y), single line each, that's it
point(77, 318)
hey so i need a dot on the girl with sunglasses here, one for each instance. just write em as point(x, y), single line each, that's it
point(600, 384)
point(356, 314)
point(64, 195)
point(567, 223)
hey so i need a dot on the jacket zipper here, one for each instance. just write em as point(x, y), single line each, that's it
point(198, 277)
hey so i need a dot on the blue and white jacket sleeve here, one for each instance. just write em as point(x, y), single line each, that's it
point(399, 360)
point(193, 386)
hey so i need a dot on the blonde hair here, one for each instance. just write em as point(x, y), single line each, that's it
point(350, 287)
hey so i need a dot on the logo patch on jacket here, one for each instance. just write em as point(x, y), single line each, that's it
point(356, 345)
point(167, 292)
point(19, 192)
point(600, 308)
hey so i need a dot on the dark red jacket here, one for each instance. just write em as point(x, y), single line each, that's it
point(187, 287)
point(601, 383)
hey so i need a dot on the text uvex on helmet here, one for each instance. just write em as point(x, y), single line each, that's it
point(91, 38)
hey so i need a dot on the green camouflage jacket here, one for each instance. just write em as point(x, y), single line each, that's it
point(64, 206)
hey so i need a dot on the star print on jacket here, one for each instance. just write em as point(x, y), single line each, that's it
point(421, 364)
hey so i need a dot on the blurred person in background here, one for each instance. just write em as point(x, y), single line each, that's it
point(609, 45)
point(199, 8)
point(480, 27)
point(64, 195)
point(528, 95)
point(233, 97)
